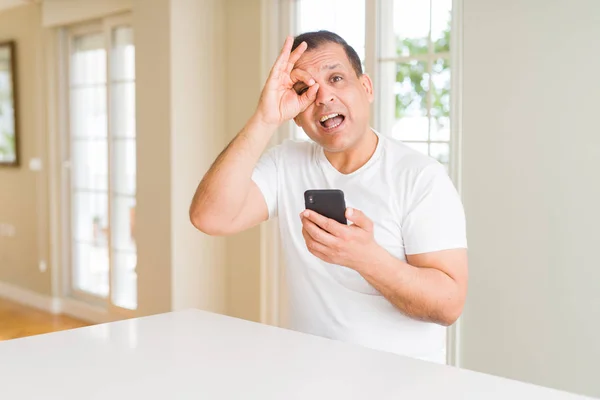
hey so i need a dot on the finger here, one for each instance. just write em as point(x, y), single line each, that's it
point(282, 60)
point(298, 51)
point(315, 248)
point(327, 224)
point(308, 97)
point(299, 75)
point(321, 255)
point(317, 234)
point(359, 219)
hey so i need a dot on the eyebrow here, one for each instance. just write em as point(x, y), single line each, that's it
point(331, 66)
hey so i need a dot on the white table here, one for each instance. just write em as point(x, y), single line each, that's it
point(198, 355)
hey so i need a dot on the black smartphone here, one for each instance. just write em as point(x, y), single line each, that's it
point(327, 202)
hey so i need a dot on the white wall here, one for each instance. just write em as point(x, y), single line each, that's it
point(243, 87)
point(531, 186)
point(23, 192)
point(180, 58)
point(197, 136)
point(152, 28)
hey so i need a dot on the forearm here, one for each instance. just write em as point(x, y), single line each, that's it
point(422, 293)
point(221, 193)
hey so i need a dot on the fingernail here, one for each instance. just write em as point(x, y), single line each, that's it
point(311, 82)
point(349, 212)
point(305, 213)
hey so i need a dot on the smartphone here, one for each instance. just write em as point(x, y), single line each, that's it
point(327, 202)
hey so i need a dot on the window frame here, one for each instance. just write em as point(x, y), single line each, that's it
point(379, 28)
point(106, 27)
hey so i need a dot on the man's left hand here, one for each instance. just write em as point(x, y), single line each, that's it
point(351, 246)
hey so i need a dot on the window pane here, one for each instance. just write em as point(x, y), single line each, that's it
point(124, 252)
point(89, 164)
point(124, 164)
point(122, 54)
point(124, 291)
point(123, 109)
point(412, 84)
point(411, 28)
point(344, 17)
point(89, 172)
point(88, 111)
point(90, 242)
point(441, 16)
point(123, 125)
point(440, 100)
point(90, 217)
point(91, 268)
point(88, 60)
point(440, 151)
point(123, 220)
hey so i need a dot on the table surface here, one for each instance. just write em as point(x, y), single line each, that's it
point(194, 354)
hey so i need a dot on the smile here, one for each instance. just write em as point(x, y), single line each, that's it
point(331, 121)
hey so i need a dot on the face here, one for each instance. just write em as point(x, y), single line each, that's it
point(339, 117)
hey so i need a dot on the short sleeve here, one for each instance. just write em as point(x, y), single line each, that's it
point(435, 218)
point(265, 177)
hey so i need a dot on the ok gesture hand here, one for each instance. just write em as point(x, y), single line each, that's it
point(279, 102)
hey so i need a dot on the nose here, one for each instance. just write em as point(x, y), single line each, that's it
point(324, 95)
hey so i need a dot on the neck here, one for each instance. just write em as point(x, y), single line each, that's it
point(351, 159)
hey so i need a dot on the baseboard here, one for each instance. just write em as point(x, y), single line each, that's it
point(30, 298)
point(86, 312)
point(68, 306)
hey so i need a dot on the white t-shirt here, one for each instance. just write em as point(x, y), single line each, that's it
point(415, 209)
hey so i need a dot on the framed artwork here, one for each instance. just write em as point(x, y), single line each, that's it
point(9, 127)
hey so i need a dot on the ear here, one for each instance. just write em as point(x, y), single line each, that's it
point(367, 84)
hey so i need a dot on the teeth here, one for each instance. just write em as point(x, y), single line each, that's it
point(326, 117)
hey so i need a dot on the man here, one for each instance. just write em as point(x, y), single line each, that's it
point(397, 274)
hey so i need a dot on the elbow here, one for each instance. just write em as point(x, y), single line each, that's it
point(452, 308)
point(448, 319)
point(205, 223)
point(450, 314)
point(197, 220)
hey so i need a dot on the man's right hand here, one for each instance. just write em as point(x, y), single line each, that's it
point(227, 200)
point(279, 102)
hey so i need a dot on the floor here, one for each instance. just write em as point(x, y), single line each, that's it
point(18, 321)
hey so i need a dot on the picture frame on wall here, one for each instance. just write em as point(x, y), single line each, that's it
point(9, 122)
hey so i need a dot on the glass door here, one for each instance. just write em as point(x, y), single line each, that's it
point(101, 167)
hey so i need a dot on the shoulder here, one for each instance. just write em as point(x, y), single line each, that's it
point(291, 149)
point(414, 175)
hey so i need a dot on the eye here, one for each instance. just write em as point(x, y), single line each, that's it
point(336, 78)
point(302, 90)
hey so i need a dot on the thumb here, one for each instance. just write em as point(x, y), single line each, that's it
point(359, 219)
point(308, 97)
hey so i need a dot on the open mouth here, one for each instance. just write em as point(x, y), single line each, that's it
point(331, 121)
